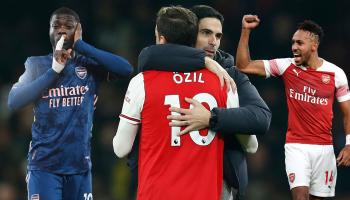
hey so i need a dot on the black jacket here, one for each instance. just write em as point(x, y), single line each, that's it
point(252, 110)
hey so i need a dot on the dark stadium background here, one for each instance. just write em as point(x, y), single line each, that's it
point(125, 27)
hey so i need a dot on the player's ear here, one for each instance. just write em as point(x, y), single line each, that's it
point(314, 46)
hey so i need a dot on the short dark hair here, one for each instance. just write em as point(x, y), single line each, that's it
point(65, 11)
point(312, 27)
point(178, 25)
point(203, 11)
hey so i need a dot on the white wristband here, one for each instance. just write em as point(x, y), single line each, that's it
point(57, 67)
point(347, 139)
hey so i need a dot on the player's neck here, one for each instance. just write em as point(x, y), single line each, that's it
point(314, 62)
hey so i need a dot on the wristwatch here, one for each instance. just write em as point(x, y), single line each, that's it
point(213, 119)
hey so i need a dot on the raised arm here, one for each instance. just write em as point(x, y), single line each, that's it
point(252, 117)
point(179, 58)
point(30, 86)
point(26, 91)
point(243, 61)
point(171, 57)
point(111, 62)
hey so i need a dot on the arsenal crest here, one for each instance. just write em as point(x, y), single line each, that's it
point(291, 177)
point(326, 78)
point(81, 72)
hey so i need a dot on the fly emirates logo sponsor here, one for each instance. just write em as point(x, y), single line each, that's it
point(308, 95)
point(66, 96)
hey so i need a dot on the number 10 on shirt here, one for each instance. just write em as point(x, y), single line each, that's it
point(174, 101)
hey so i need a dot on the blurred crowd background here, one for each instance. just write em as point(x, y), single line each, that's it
point(125, 27)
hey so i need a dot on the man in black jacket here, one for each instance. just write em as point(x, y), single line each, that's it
point(229, 122)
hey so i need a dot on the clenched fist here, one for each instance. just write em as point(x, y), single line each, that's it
point(250, 21)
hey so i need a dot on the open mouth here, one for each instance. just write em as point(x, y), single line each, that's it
point(297, 55)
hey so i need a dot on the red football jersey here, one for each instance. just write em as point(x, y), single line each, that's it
point(310, 95)
point(170, 166)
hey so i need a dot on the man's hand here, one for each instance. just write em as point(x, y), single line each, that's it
point(78, 34)
point(196, 118)
point(250, 21)
point(60, 55)
point(344, 157)
point(224, 77)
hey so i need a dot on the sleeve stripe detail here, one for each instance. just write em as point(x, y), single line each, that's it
point(274, 67)
point(341, 91)
point(343, 98)
point(130, 118)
